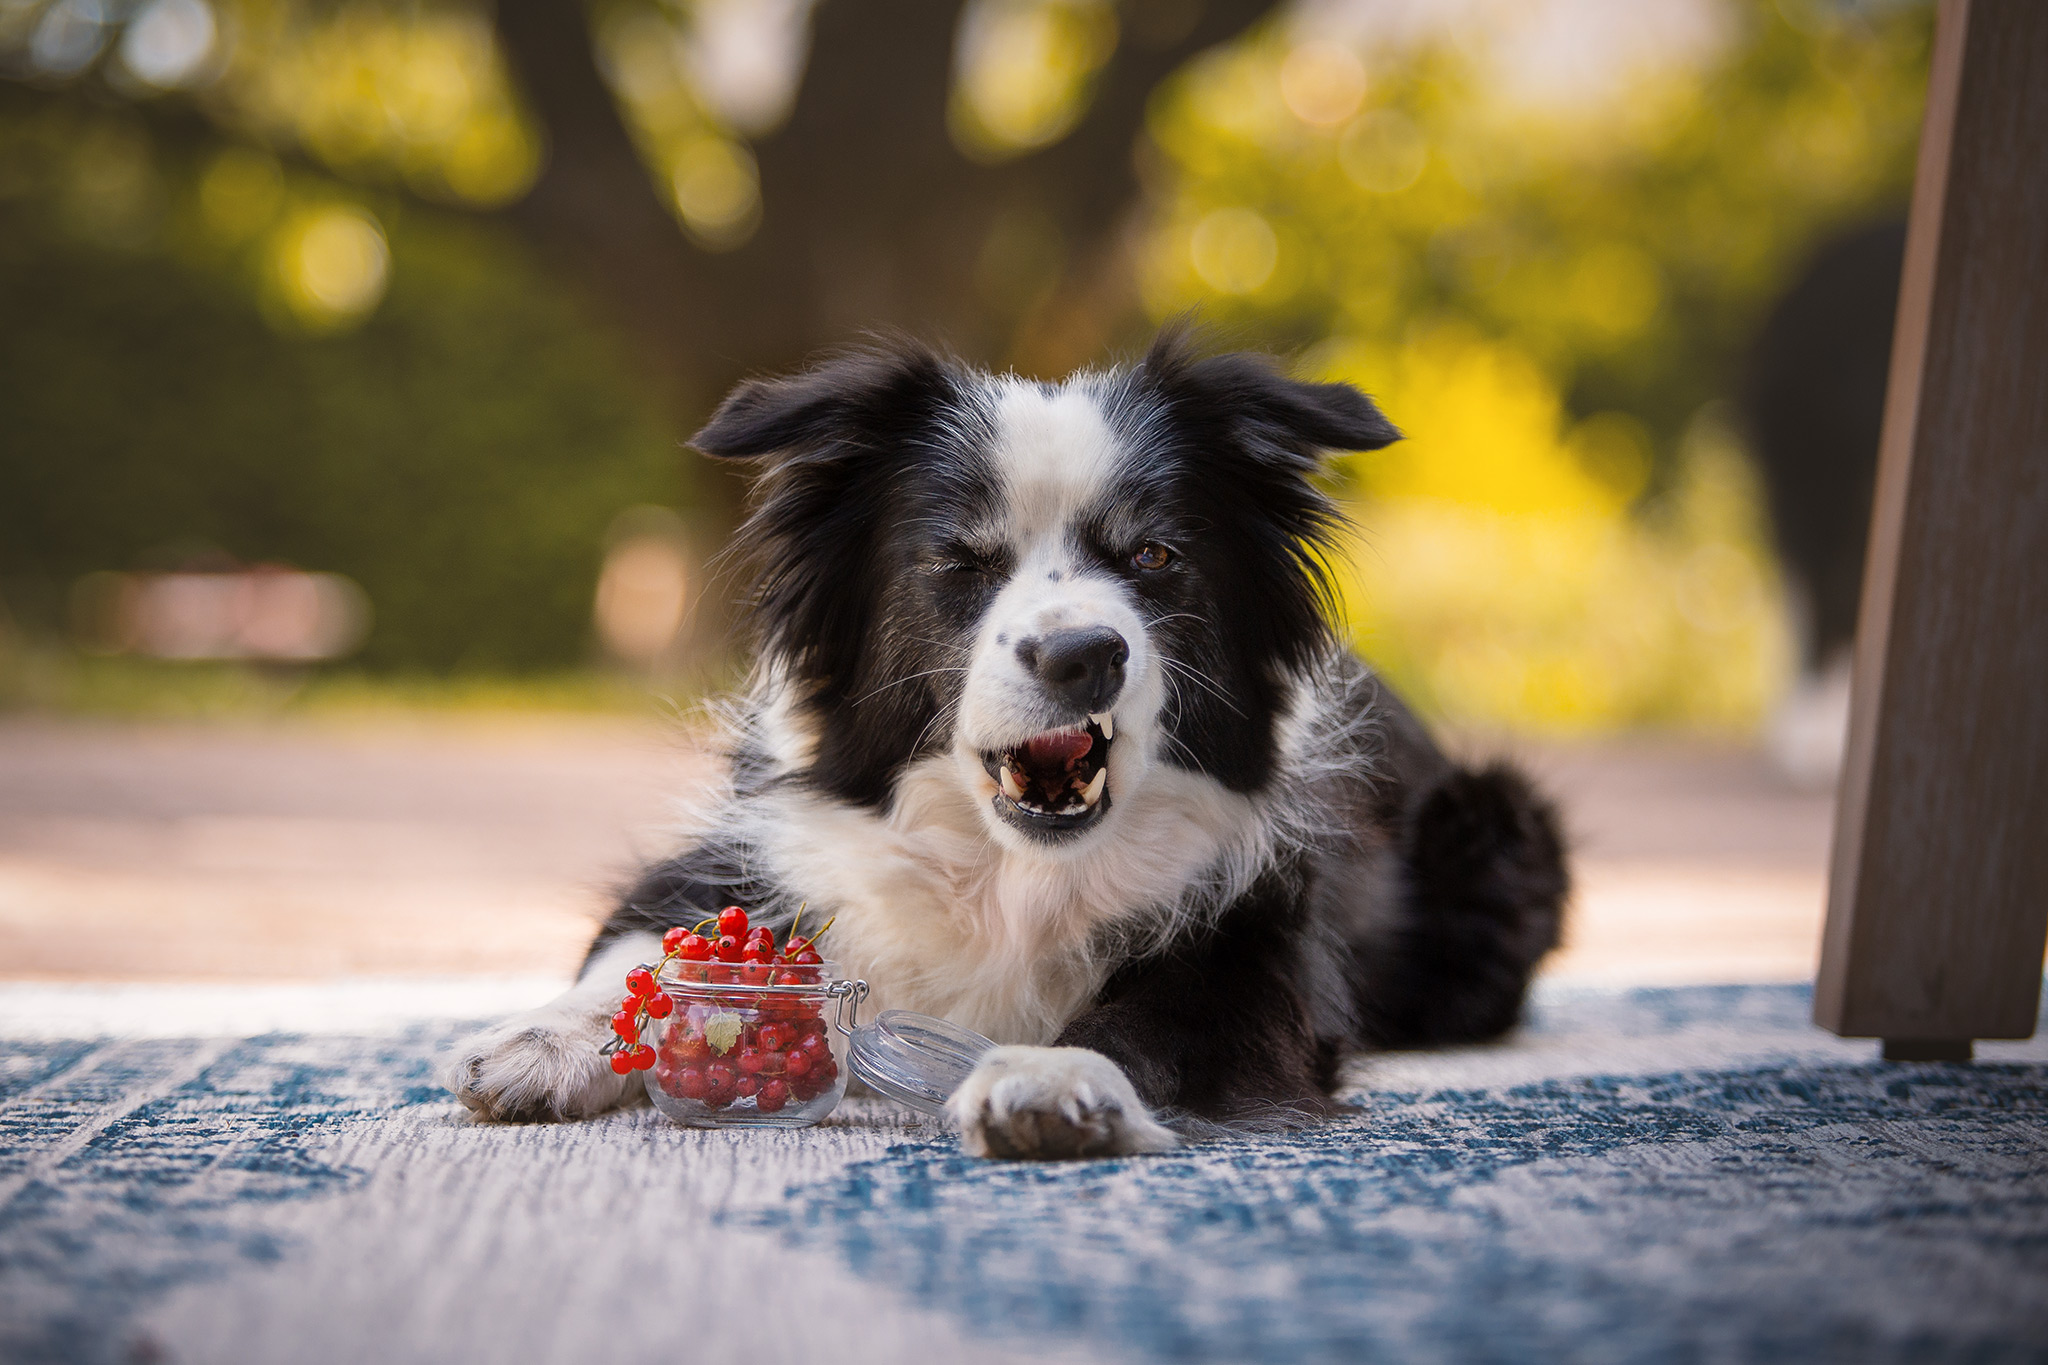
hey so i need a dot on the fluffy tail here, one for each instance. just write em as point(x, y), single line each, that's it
point(1484, 901)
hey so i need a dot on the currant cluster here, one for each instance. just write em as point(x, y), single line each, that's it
point(770, 1061)
point(766, 1046)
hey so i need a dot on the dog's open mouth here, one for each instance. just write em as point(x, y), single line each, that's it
point(1057, 782)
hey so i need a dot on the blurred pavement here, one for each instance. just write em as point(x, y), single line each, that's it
point(436, 847)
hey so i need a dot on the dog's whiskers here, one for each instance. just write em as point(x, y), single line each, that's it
point(1205, 684)
point(898, 682)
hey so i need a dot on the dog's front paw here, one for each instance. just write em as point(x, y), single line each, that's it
point(540, 1065)
point(1051, 1102)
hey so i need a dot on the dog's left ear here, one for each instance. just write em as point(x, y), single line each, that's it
point(1287, 415)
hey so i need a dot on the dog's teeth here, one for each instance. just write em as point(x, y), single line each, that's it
point(1092, 793)
point(1104, 723)
point(1012, 788)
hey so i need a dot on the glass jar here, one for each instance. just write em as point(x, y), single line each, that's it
point(751, 1045)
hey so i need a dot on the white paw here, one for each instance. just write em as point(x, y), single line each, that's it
point(1050, 1102)
point(543, 1064)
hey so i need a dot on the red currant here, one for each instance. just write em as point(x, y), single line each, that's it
point(643, 1058)
point(625, 1024)
point(640, 981)
point(694, 948)
point(808, 958)
point(728, 949)
point(691, 1083)
point(745, 1086)
point(774, 1037)
point(796, 1063)
point(774, 1094)
point(673, 940)
point(660, 1005)
point(749, 1059)
point(757, 951)
point(732, 921)
point(622, 1061)
point(719, 1080)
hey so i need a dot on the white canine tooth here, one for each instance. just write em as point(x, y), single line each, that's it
point(1092, 793)
point(1103, 723)
point(1012, 788)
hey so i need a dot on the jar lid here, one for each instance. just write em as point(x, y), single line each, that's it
point(915, 1059)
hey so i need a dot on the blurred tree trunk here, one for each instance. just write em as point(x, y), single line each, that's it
point(872, 218)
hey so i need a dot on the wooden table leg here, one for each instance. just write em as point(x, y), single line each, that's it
point(1938, 902)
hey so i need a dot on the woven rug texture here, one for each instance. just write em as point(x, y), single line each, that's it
point(1668, 1175)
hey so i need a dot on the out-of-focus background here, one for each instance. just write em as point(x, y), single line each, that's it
point(355, 586)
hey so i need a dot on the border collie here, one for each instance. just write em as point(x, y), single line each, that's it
point(1050, 720)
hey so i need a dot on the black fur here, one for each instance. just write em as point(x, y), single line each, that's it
point(1484, 897)
point(1217, 1025)
point(1418, 924)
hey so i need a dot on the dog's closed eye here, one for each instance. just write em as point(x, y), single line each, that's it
point(968, 559)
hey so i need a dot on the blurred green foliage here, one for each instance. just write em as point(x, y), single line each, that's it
point(180, 377)
point(1550, 284)
point(253, 310)
point(1625, 236)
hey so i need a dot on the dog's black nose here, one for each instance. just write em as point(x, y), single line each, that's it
point(1082, 667)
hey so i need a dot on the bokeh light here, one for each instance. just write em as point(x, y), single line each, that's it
point(167, 44)
point(367, 87)
point(268, 613)
point(1233, 250)
point(68, 37)
point(1023, 71)
point(1383, 152)
point(643, 591)
point(1322, 81)
point(718, 191)
point(332, 265)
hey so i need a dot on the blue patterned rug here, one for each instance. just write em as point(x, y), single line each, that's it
point(1687, 1174)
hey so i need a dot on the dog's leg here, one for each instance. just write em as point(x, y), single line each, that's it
point(544, 1064)
point(1051, 1102)
point(1216, 1029)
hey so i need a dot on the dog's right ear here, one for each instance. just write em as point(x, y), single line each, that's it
point(850, 403)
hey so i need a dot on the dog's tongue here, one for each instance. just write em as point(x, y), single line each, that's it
point(1057, 749)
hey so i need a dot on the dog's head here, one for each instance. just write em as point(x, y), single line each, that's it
point(1059, 587)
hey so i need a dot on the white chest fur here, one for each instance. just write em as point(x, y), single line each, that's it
point(938, 916)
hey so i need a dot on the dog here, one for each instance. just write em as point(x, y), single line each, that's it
point(1050, 720)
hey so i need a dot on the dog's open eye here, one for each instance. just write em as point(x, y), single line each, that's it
point(1152, 555)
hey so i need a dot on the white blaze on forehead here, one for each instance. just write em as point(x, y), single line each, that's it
point(1055, 455)
point(1055, 452)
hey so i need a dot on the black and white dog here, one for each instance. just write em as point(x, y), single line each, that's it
point(1050, 720)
